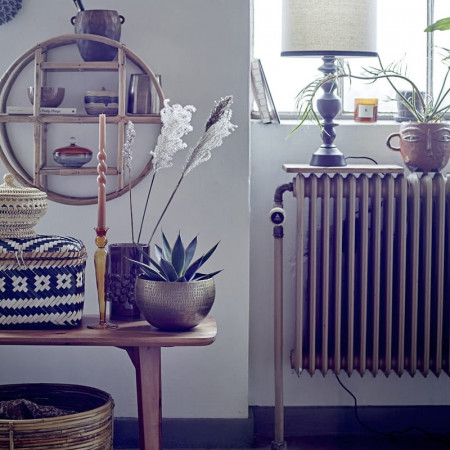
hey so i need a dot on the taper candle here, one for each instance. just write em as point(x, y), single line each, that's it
point(101, 169)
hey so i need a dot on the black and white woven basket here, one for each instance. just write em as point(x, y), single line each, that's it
point(41, 281)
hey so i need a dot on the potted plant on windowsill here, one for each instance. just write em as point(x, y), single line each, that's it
point(170, 292)
point(425, 140)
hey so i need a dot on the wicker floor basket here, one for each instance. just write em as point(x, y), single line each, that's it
point(91, 428)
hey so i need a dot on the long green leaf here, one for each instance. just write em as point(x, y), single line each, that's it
point(208, 254)
point(169, 271)
point(167, 251)
point(192, 269)
point(190, 272)
point(178, 256)
point(148, 270)
point(205, 276)
point(190, 251)
point(158, 253)
point(440, 25)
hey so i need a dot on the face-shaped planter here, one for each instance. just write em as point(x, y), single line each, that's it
point(425, 147)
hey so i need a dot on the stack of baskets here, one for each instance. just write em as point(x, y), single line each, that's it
point(41, 277)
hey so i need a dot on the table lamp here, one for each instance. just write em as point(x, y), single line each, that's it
point(329, 28)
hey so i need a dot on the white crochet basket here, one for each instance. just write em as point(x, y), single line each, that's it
point(21, 208)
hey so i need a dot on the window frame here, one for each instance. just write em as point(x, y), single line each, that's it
point(348, 115)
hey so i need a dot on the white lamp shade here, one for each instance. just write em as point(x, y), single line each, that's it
point(329, 27)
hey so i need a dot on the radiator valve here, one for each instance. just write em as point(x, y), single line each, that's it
point(277, 215)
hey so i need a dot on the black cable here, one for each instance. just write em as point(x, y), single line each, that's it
point(361, 157)
point(390, 434)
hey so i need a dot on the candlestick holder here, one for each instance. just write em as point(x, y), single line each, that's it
point(100, 257)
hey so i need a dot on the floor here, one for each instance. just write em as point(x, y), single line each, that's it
point(412, 442)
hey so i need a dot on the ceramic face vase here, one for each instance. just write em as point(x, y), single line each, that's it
point(425, 147)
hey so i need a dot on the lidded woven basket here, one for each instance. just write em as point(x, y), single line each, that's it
point(21, 208)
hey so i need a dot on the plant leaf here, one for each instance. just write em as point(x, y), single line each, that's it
point(190, 250)
point(441, 25)
point(192, 269)
point(148, 270)
point(168, 270)
point(208, 254)
point(167, 251)
point(158, 253)
point(205, 276)
point(190, 272)
point(178, 256)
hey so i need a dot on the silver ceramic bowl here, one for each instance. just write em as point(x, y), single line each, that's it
point(51, 97)
point(173, 305)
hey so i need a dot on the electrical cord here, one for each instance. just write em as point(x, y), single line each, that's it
point(362, 157)
point(393, 435)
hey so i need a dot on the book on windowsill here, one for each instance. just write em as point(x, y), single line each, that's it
point(261, 93)
point(43, 110)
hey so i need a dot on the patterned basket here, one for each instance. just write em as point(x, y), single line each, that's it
point(41, 282)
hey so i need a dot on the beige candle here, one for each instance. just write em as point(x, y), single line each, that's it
point(101, 169)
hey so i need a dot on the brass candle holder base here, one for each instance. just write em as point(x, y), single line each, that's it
point(100, 274)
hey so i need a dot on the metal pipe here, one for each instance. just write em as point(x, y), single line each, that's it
point(277, 216)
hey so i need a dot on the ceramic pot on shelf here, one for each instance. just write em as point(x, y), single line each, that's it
point(425, 147)
point(102, 22)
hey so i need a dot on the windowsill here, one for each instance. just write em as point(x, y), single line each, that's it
point(340, 122)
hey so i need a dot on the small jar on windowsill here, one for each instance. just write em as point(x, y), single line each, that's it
point(366, 110)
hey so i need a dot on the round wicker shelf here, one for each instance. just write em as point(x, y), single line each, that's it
point(37, 55)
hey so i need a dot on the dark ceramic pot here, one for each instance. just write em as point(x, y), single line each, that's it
point(102, 22)
point(121, 280)
point(425, 147)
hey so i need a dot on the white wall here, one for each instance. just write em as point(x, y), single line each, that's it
point(271, 147)
point(201, 49)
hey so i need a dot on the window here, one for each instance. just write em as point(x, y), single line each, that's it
point(400, 38)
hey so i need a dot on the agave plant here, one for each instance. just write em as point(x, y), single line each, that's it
point(174, 263)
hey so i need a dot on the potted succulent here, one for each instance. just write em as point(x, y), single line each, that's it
point(169, 291)
point(425, 146)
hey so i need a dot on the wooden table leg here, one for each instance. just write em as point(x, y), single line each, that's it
point(147, 362)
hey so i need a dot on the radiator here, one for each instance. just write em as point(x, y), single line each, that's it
point(372, 280)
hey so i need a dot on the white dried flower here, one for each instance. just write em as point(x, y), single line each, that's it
point(176, 123)
point(130, 134)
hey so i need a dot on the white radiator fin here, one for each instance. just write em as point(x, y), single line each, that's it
point(373, 282)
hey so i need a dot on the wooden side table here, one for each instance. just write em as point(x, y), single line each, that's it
point(143, 344)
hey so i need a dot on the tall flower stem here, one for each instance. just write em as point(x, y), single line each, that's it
point(166, 207)
point(131, 208)
point(146, 205)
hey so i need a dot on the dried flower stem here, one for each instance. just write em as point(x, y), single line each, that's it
point(146, 205)
point(131, 207)
point(166, 207)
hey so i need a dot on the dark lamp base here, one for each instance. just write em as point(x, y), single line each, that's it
point(328, 158)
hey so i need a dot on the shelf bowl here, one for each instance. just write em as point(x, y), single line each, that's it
point(101, 102)
point(72, 156)
point(51, 97)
